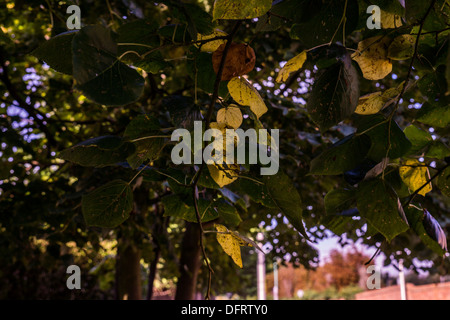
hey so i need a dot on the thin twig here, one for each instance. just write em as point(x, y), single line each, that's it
point(198, 174)
point(408, 76)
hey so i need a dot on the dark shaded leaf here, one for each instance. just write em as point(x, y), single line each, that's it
point(443, 182)
point(335, 95)
point(344, 155)
point(377, 128)
point(98, 73)
point(99, 152)
point(57, 52)
point(143, 127)
point(109, 205)
point(379, 204)
point(323, 18)
point(286, 197)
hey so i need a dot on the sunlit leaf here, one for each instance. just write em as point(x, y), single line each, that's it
point(245, 94)
point(414, 174)
point(237, 9)
point(212, 45)
point(229, 243)
point(231, 116)
point(292, 65)
point(372, 57)
point(374, 102)
point(223, 174)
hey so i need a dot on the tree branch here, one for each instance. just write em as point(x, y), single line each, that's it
point(214, 97)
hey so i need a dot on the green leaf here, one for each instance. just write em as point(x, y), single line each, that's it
point(109, 205)
point(417, 222)
point(339, 224)
point(145, 130)
point(433, 85)
point(443, 182)
point(175, 32)
point(201, 70)
point(419, 138)
point(284, 14)
point(377, 128)
point(379, 204)
point(434, 114)
point(57, 52)
point(198, 20)
point(338, 200)
point(175, 207)
point(228, 213)
point(257, 192)
point(438, 150)
point(237, 9)
point(344, 155)
point(321, 19)
point(402, 47)
point(139, 36)
point(183, 111)
point(286, 197)
point(334, 95)
point(98, 73)
point(98, 152)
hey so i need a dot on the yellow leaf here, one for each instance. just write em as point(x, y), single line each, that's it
point(230, 244)
point(245, 94)
point(231, 116)
point(212, 45)
point(223, 174)
point(390, 20)
point(373, 102)
point(415, 175)
point(372, 57)
point(402, 47)
point(291, 66)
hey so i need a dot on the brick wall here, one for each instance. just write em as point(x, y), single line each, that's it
point(435, 291)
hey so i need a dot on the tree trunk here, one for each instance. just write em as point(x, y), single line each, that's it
point(128, 273)
point(152, 273)
point(189, 263)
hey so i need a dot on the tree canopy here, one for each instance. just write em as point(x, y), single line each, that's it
point(87, 118)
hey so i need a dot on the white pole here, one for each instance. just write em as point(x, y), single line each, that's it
point(260, 271)
point(275, 280)
point(401, 280)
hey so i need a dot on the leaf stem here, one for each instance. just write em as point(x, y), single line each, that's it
point(214, 97)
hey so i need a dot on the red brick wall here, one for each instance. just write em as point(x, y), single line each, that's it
point(435, 291)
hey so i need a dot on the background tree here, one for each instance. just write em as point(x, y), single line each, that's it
point(85, 138)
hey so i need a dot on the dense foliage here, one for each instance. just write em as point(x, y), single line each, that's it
point(86, 119)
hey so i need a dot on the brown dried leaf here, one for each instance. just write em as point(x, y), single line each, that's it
point(240, 60)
